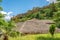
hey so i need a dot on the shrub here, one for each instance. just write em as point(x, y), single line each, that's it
point(52, 29)
point(14, 33)
point(58, 25)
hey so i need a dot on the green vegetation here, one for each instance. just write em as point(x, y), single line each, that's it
point(47, 12)
point(6, 27)
point(51, 12)
point(0, 6)
point(52, 30)
point(0, 0)
point(37, 37)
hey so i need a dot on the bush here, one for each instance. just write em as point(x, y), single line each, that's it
point(14, 33)
point(57, 22)
point(52, 30)
point(58, 25)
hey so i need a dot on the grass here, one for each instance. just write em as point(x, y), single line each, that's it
point(37, 37)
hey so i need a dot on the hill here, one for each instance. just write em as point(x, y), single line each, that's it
point(47, 12)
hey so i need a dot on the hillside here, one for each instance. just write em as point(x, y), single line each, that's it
point(46, 12)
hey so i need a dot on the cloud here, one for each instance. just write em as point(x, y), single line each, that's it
point(2, 12)
point(50, 1)
point(8, 15)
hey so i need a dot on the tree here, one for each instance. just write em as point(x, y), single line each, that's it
point(57, 14)
point(0, 0)
point(52, 29)
point(3, 24)
point(57, 19)
point(0, 6)
point(7, 27)
point(50, 11)
point(57, 22)
point(58, 0)
point(39, 16)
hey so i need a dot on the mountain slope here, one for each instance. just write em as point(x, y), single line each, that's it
point(46, 12)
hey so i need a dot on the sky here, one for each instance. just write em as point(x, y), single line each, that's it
point(15, 7)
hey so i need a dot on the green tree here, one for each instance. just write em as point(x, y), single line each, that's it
point(57, 19)
point(39, 15)
point(52, 30)
point(7, 27)
point(53, 7)
point(57, 22)
point(0, 5)
point(50, 11)
point(1, 8)
point(0, 0)
point(57, 14)
point(58, 0)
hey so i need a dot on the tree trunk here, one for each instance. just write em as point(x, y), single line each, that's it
point(5, 37)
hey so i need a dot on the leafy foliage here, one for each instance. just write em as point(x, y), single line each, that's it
point(0, 0)
point(0, 6)
point(46, 12)
point(52, 30)
point(7, 27)
point(14, 33)
point(57, 22)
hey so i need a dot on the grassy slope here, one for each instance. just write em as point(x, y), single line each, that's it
point(37, 37)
